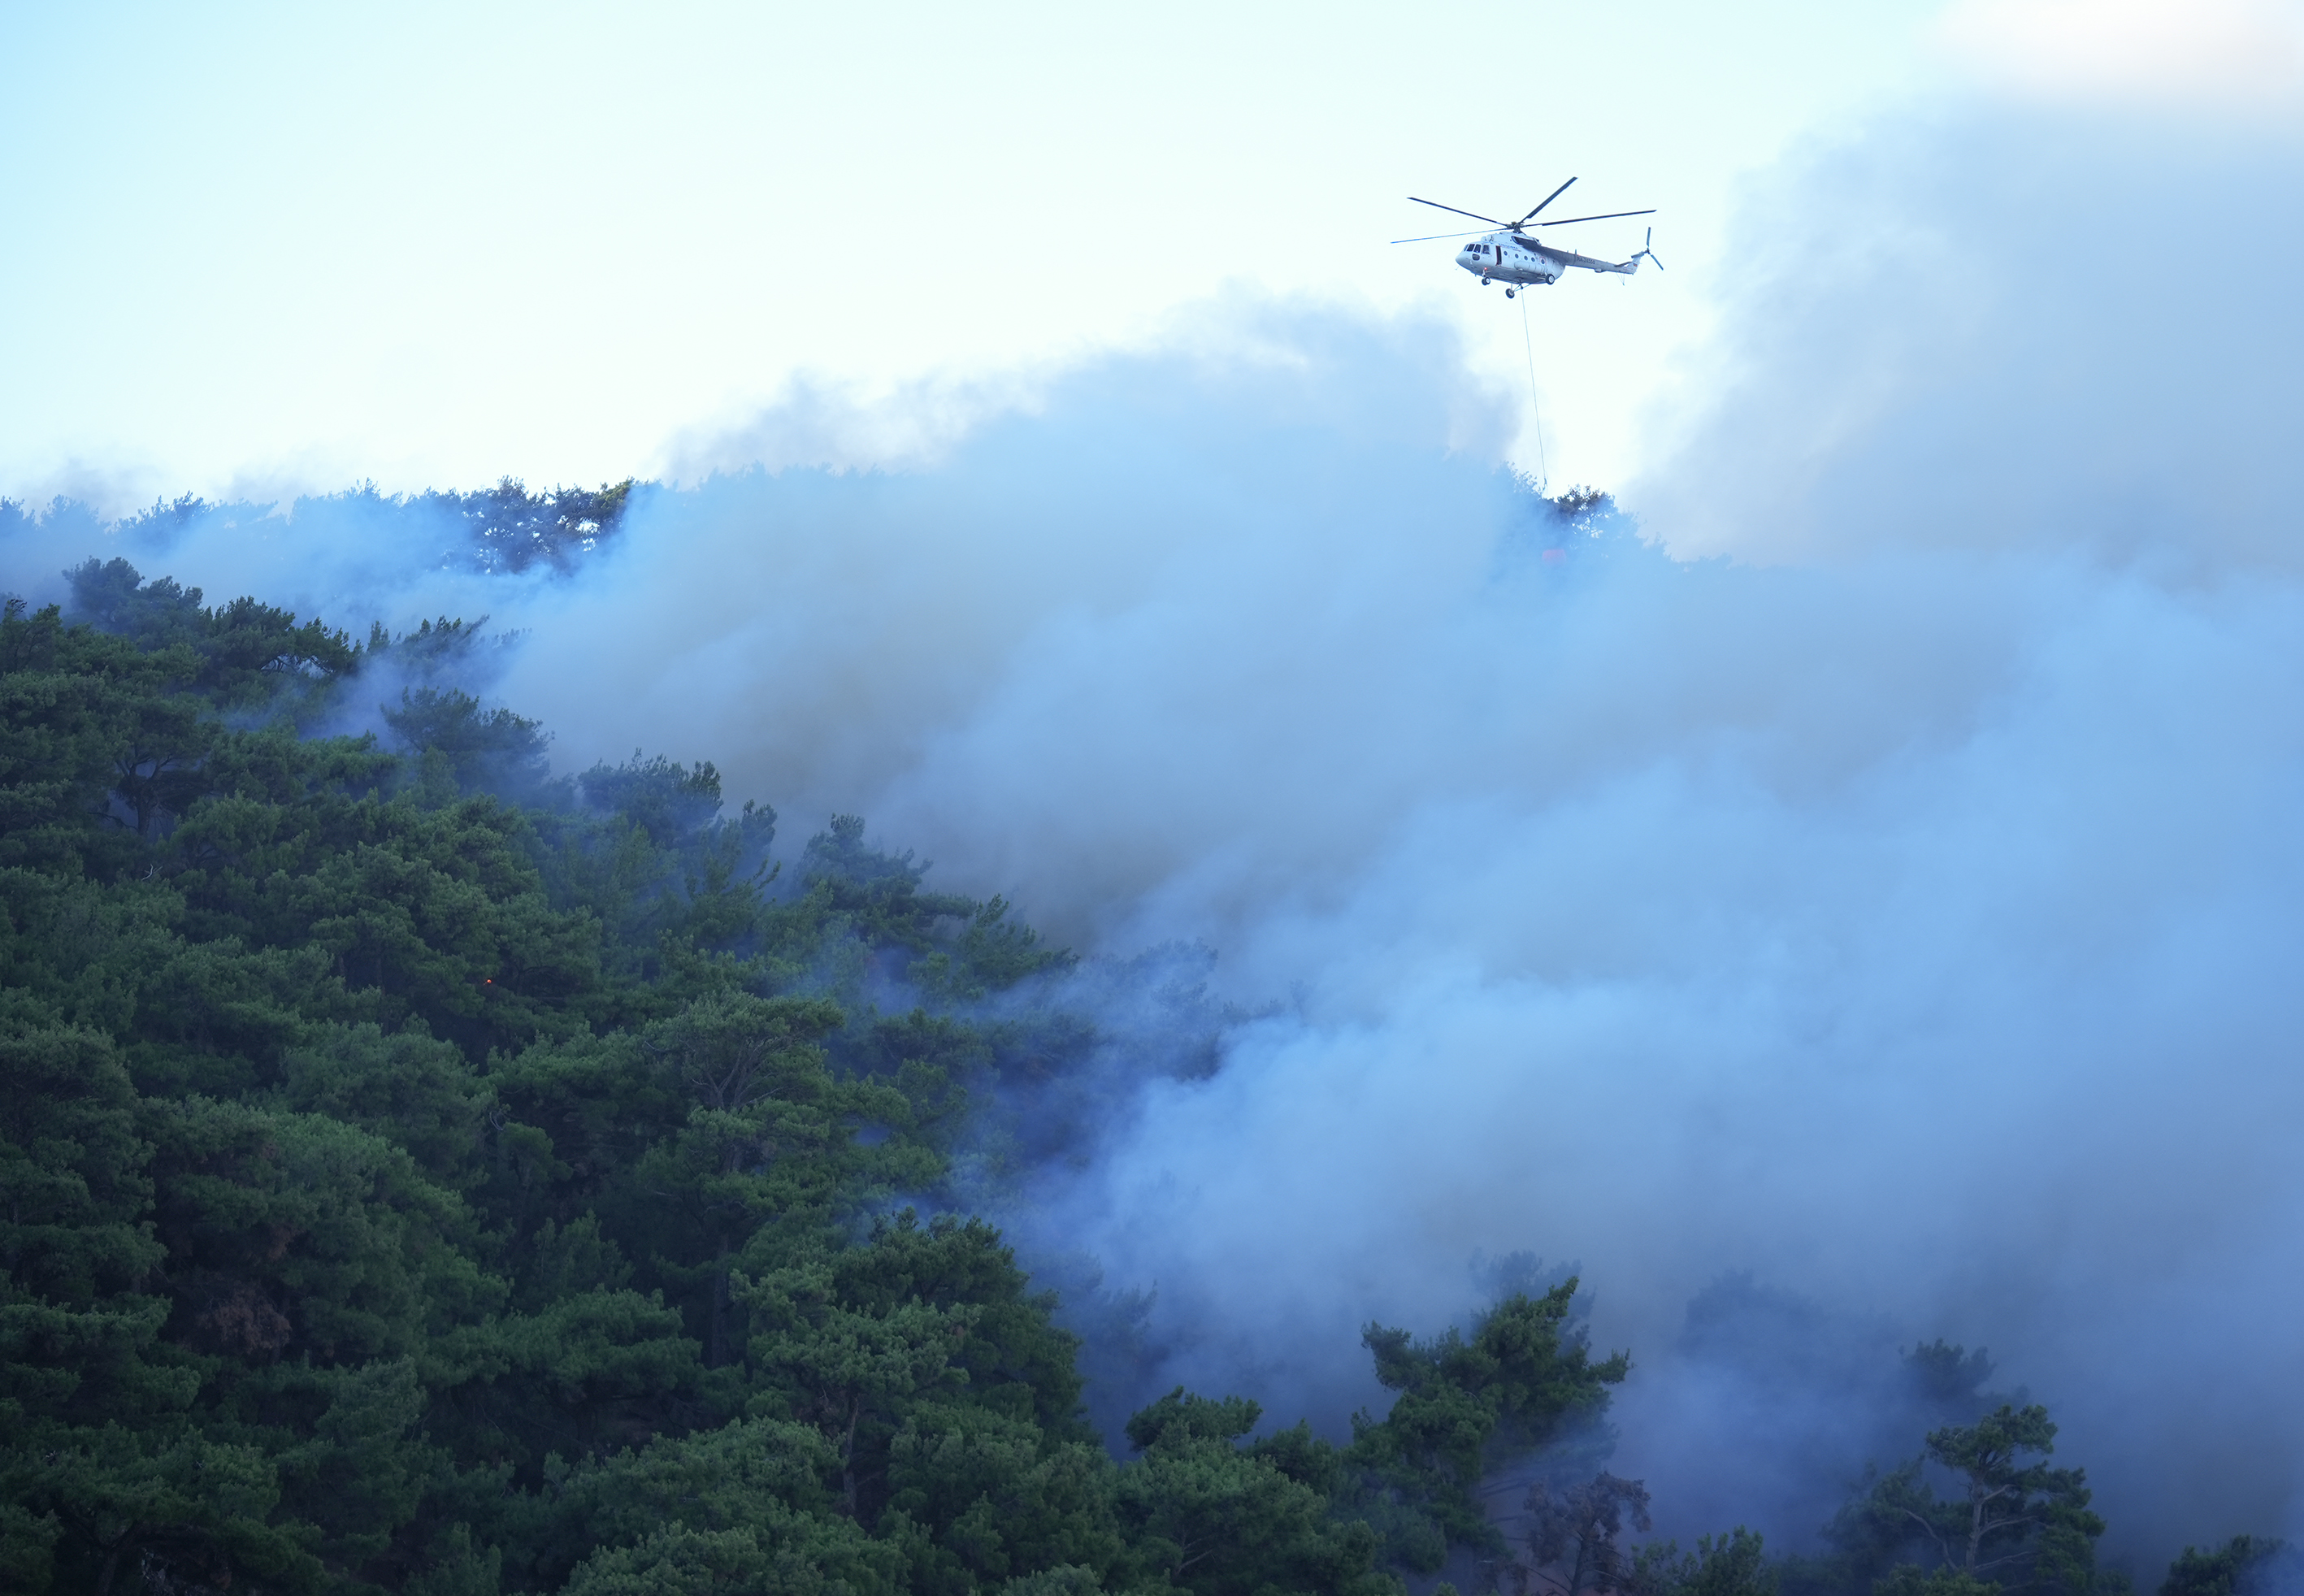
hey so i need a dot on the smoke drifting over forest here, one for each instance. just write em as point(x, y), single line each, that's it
point(1870, 866)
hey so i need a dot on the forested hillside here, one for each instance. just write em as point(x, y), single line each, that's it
point(426, 1173)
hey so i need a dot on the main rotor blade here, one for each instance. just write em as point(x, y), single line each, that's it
point(1547, 200)
point(1427, 238)
point(1610, 216)
point(1476, 215)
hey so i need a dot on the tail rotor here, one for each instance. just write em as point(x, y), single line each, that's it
point(1647, 254)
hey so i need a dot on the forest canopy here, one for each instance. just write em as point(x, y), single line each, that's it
point(426, 1172)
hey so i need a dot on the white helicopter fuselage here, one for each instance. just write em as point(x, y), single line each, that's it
point(1516, 258)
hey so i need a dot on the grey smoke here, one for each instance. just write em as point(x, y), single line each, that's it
point(1886, 879)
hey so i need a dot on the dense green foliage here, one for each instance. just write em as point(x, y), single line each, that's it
point(2244, 1566)
point(420, 1172)
point(502, 529)
point(424, 1174)
point(2010, 1521)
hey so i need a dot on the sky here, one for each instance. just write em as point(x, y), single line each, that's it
point(255, 249)
point(259, 248)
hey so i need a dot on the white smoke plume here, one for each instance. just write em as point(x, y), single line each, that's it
point(1885, 886)
point(1888, 879)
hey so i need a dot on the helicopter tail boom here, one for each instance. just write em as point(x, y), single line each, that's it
point(1587, 263)
point(1628, 267)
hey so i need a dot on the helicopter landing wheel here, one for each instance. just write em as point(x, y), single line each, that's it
point(1509, 293)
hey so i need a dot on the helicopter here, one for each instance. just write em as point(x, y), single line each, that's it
point(1512, 257)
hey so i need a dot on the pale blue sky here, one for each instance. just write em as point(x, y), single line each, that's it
point(258, 246)
point(267, 244)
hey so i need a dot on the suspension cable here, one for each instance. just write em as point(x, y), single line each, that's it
point(1542, 470)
